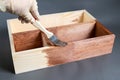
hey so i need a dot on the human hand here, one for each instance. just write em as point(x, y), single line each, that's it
point(27, 10)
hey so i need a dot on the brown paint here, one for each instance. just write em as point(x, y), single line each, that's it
point(27, 40)
point(74, 32)
point(80, 48)
point(68, 33)
point(60, 55)
point(80, 38)
point(27, 46)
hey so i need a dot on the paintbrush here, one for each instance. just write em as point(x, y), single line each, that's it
point(52, 38)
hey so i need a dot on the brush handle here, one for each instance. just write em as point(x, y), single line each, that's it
point(42, 28)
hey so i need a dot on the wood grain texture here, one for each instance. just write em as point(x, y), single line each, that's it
point(83, 42)
point(53, 20)
point(101, 30)
point(73, 32)
point(80, 50)
point(68, 33)
point(86, 38)
point(27, 40)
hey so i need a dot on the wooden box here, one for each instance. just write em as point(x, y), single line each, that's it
point(86, 38)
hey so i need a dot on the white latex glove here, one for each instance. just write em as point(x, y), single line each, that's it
point(27, 10)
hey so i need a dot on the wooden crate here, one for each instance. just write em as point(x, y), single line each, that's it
point(86, 38)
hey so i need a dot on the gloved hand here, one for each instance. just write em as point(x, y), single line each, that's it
point(27, 10)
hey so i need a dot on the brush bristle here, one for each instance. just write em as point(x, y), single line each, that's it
point(57, 42)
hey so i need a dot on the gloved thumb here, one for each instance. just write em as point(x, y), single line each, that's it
point(27, 18)
point(34, 11)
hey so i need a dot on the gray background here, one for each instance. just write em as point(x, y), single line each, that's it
point(105, 67)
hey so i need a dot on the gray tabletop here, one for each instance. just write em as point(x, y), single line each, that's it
point(105, 67)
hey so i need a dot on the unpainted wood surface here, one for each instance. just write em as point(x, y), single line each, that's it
point(52, 20)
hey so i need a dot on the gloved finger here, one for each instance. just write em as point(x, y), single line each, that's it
point(34, 11)
point(22, 19)
point(25, 20)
